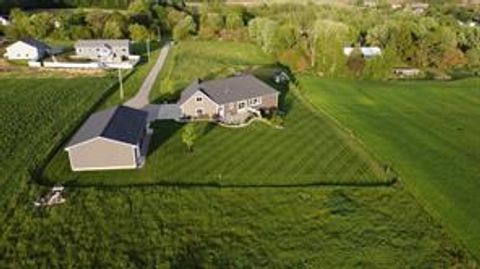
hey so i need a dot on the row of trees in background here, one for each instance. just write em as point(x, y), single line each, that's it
point(305, 37)
point(7, 5)
point(142, 20)
point(312, 37)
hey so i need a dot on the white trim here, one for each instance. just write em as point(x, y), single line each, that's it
point(244, 108)
point(96, 138)
point(103, 168)
point(259, 101)
point(199, 91)
point(221, 110)
point(113, 167)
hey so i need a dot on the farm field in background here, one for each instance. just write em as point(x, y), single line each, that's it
point(428, 131)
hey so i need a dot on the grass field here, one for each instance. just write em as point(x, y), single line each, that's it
point(228, 227)
point(156, 227)
point(429, 131)
point(37, 114)
point(309, 150)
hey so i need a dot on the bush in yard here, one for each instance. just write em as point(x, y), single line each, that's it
point(356, 62)
point(275, 117)
point(233, 21)
point(189, 135)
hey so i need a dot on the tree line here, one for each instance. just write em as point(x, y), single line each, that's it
point(308, 38)
point(141, 20)
point(443, 39)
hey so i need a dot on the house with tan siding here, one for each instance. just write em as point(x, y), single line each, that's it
point(227, 99)
point(110, 139)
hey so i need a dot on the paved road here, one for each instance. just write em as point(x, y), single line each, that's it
point(141, 100)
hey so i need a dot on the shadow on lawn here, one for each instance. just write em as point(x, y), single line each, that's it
point(217, 185)
point(163, 130)
point(267, 74)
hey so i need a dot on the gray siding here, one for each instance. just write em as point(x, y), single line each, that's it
point(94, 53)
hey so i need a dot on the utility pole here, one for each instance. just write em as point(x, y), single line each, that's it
point(148, 49)
point(120, 81)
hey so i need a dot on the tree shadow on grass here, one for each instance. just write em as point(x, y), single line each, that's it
point(267, 74)
point(163, 131)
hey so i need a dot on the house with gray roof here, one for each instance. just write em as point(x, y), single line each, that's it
point(110, 139)
point(228, 98)
point(103, 50)
point(27, 49)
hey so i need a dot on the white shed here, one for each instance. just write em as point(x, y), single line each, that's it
point(368, 52)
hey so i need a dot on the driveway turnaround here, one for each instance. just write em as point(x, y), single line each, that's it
point(140, 100)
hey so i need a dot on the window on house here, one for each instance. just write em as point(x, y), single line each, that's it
point(199, 99)
point(254, 101)
point(241, 105)
point(199, 111)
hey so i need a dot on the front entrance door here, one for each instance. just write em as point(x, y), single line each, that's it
point(221, 111)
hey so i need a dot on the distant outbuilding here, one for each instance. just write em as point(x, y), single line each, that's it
point(27, 49)
point(367, 52)
point(406, 72)
point(110, 139)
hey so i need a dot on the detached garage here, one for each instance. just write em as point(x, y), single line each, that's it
point(110, 139)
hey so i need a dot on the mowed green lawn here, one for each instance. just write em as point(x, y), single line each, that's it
point(428, 131)
point(310, 150)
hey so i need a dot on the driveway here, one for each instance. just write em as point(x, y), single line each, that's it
point(141, 99)
point(163, 112)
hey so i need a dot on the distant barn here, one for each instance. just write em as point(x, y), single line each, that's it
point(368, 52)
point(109, 139)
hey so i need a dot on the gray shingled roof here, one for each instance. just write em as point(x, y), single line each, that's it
point(35, 43)
point(119, 123)
point(88, 43)
point(230, 89)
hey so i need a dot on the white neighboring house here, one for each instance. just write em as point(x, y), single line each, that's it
point(104, 50)
point(4, 21)
point(368, 52)
point(26, 49)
